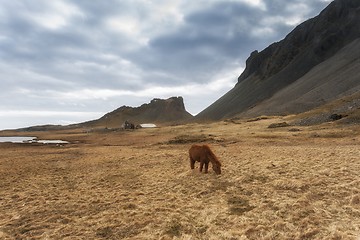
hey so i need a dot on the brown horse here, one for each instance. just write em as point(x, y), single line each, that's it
point(204, 155)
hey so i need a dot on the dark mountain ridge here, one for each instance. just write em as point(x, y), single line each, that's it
point(286, 62)
point(323, 35)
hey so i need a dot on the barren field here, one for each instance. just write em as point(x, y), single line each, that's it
point(276, 183)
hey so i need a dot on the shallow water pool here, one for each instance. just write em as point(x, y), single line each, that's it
point(22, 139)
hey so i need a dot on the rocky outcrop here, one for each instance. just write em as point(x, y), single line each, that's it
point(286, 62)
point(159, 111)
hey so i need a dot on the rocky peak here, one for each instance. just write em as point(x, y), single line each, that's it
point(161, 111)
point(321, 37)
point(173, 102)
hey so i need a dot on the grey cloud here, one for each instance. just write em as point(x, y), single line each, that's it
point(213, 38)
point(219, 34)
point(209, 40)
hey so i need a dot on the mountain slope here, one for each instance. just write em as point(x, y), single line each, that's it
point(329, 80)
point(290, 60)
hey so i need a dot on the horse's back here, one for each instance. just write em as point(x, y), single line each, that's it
point(196, 151)
point(197, 146)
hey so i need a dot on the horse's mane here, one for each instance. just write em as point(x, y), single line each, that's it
point(212, 156)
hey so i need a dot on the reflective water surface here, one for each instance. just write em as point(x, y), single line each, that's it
point(20, 139)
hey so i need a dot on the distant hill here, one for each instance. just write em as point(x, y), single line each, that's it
point(316, 63)
point(158, 111)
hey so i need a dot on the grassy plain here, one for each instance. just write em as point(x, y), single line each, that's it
point(276, 183)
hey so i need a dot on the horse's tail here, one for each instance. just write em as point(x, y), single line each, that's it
point(212, 157)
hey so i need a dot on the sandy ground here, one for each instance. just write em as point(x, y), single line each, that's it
point(281, 183)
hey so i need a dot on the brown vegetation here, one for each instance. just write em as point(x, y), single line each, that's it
point(275, 184)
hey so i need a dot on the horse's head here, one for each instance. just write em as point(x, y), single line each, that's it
point(216, 168)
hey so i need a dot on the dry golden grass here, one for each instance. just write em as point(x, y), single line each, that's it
point(275, 184)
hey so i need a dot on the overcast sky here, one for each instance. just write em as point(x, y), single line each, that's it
point(67, 61)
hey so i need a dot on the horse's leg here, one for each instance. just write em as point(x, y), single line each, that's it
point(206, 167)
point(192, 163)
point(201, 166)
